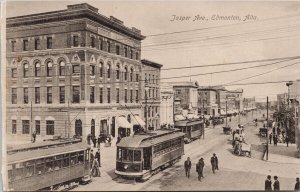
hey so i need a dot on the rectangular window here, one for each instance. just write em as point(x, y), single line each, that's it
point(14, 95)
point(13, 46)
point(37, 95)
point(76, 94)
point(131, 54)
point(108, 46)
point(49, 95)
point(108, 95)
point(62, 94)
point(37, 44)
point(25, 45)
point(49, 127)
point(93, 43)
point(49, 42)
point(101, 94)
point(137, 55)
point(25, 126)
point(136, 96)
point(14, 72)
point(92, 94)
point(76, 69)
point(131, 96)
point(14, 126)
point(117, 95)
point(118, 50)
point(136, 77)
point(101, 44)
point(125, 51)
point(38, 127)
point(25, 96)
point(92, 70)
point(75, 41)
point(125, 95)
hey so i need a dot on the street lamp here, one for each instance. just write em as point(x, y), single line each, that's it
point(146, 109)
point(288, 84)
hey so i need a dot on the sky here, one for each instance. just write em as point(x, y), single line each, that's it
point(258, 31)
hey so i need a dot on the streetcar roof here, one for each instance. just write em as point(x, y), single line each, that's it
point(149, 139)
point(31, 146)
point(188, 122)
point(45, 152)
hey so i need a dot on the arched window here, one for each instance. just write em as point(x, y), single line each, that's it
point(25, 70)
point(49, 68)
point(101, 69)
point(37, 69)
point(108, 70)
point(125, 73)
point(118, 71)
point(131, 74)
point(93, 127)
point(62, 65)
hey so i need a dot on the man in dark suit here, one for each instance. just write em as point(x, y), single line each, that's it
point(187, 167)
point(276, 184)
point(97, 156)
point(214, 163)
point(268, 183)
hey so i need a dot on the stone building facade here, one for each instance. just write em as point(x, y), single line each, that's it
point(166, 105)
point(150, 82)
point(207, 101)
point(71, 72)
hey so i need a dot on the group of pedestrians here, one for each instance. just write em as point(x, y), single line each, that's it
point(200, 166)
point(276, 184)
point(95, 163)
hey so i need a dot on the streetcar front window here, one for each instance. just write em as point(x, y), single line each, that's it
point(119, 155)
point(137, 155)
point(130, 155)
point(124, 154)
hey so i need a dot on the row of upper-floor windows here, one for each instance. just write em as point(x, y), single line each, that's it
point(110, 44)
point(128, 96)
point(129, 74)
point(151, 79)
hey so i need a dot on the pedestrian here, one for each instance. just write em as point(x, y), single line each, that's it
point(270, 138)
point(199, 168)
point(214, 163)
point(233, 132)
point(118, 139)
point(92, 157)
point(94, 141)
point(96, 169)
point(187, 167)
point(268, 183)
point(99, 141)
point(275, 140)
point(97, 156)
point(33, 136)
point(276, 185)
point(88, 139)
point(287, 140)
point(297, 185)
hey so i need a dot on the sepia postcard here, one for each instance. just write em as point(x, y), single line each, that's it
point(150, 95)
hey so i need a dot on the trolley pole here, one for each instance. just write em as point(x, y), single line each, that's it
point(226, 111)
point(267, 128)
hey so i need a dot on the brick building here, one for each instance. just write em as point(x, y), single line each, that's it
point(207, 101)
point(72, 72)
point(151, 93)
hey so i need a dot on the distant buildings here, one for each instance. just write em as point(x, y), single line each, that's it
point(166, 105)
point(208, 101)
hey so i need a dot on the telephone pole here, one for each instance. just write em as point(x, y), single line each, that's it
point(267, 128)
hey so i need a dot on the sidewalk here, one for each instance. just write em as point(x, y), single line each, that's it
point(283, 154)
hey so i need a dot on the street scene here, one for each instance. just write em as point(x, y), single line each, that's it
point(144, 96)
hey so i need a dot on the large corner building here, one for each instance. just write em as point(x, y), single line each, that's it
point(75, 72)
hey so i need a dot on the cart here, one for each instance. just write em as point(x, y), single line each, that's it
point(246, 149)
point(227, 130)
point(263, 132)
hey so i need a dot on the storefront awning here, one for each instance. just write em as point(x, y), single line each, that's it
point(122, 122)
point(136, 120)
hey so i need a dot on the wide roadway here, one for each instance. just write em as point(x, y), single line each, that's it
point(235, 172)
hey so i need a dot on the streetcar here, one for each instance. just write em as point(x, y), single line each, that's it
point(193, 129)
point(142, 155)
point(49, 165)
